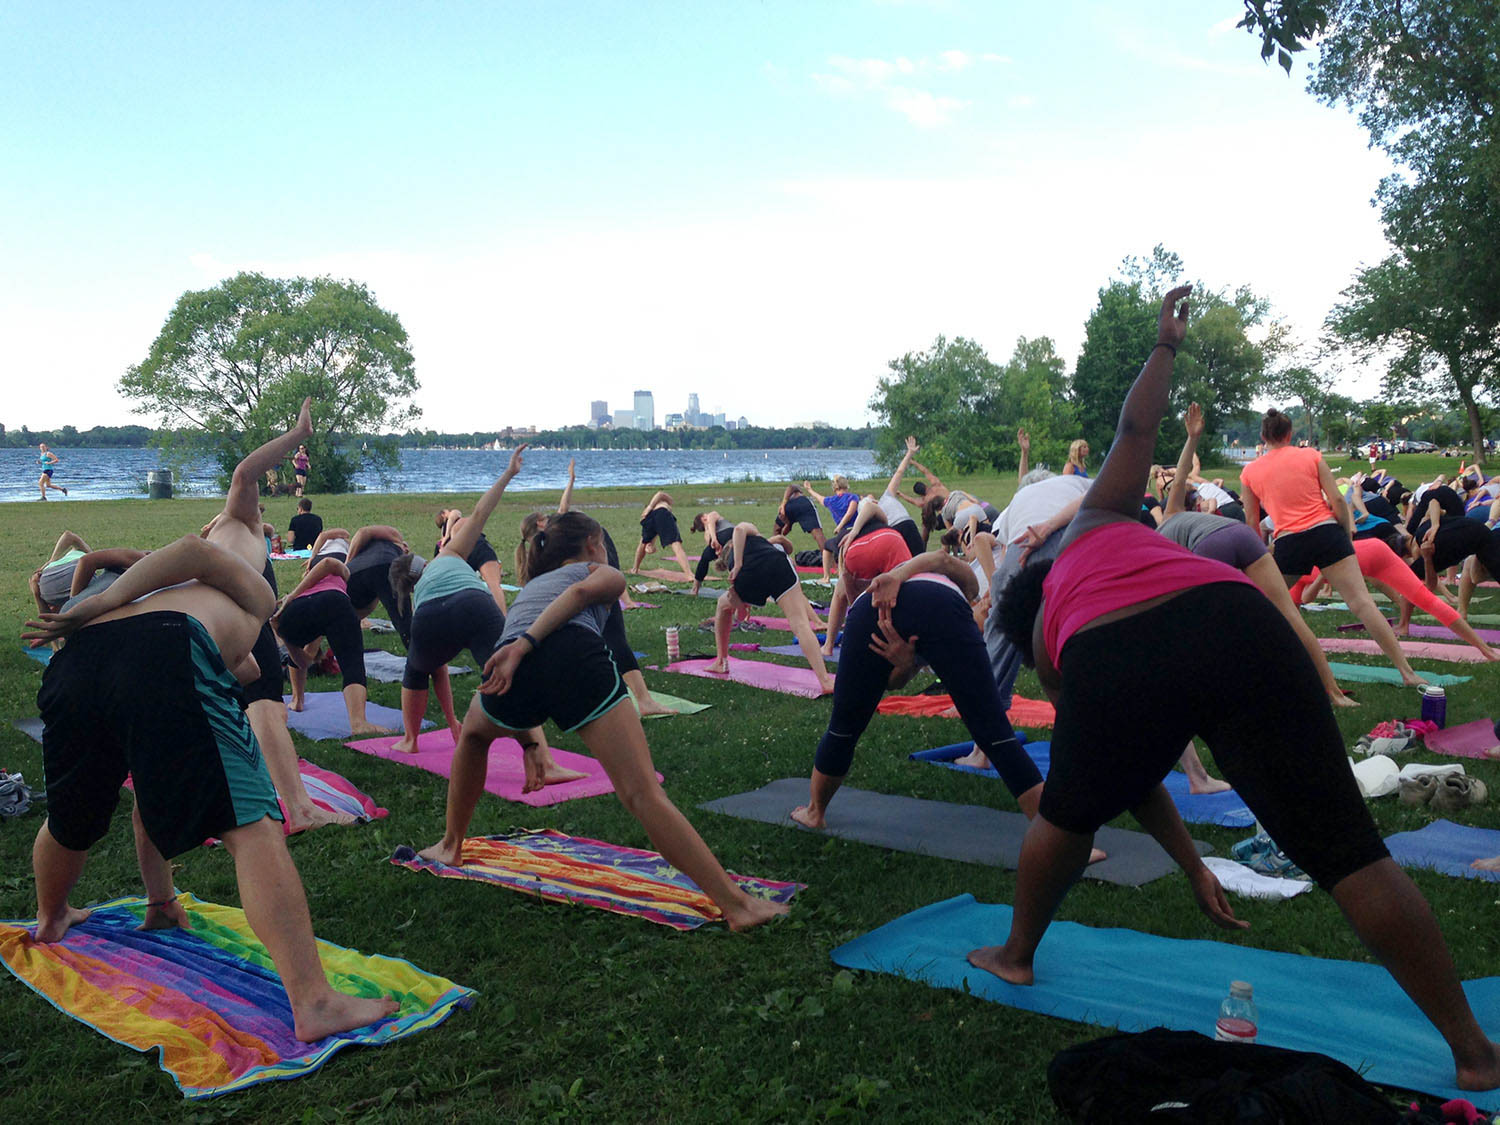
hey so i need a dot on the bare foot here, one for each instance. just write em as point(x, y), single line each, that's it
point(751, 912)
point(719, 668)
point(542, 770)
point(441, 852)
point(1207, 784)
point(304, 818)
point(1491, 864)
point(167, 916)
point(808, 817)
point(1342, 700)
point(992, 960)
point(364, 726)
point(1482, 1074)
point(976, 758)
point(651, 707)
point(825, 686)
point(407, 743)
point(297, 703)
point(55, 929)
point(1413, 680)
point(338, 1012)
point(555, 774)
point(1097, 854)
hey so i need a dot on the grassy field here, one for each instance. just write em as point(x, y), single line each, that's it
point(589, 1016)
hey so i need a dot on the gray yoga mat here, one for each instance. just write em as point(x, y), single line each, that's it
point(32, 728)
point(388, 668)
point(968, 833)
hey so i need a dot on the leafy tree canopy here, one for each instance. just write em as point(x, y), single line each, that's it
point(234, 362)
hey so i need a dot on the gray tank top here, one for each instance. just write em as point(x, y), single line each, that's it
point(541, 592)
point(1188, 529)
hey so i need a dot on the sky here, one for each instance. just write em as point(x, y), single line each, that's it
point(761, 201)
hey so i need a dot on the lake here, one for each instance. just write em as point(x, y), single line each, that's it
point(113, 474)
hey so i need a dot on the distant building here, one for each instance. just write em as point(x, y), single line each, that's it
point(598, 412)
point(645, 411)
point(624, 419)
point(691, 417)
point(731, 424)
point(744, 425)
point(718, 420)
point(672, 422)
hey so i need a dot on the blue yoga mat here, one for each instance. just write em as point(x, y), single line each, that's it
point(40, 655)
point(796, 650)
point(324, 716)
point(1447, 847)
point(1371, 674)
point(1224, 809)
point(1133, 981)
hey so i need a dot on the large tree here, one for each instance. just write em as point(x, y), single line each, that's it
point(233, 363)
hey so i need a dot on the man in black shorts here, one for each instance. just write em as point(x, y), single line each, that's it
point(304, 526)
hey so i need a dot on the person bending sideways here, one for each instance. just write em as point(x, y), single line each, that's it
point(797, 510)
point(146, 685)
point(1120, 612)
point(659, 526)
point(553, 663)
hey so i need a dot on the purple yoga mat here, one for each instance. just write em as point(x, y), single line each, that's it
point(1489, 636)
point(1467, 740)
point(1415, 650)
point(505, 774)
point(756, 673)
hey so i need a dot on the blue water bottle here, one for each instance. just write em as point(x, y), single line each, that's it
point(1434, 705)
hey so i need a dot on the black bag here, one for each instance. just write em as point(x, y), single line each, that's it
point(1181, 1076)
point(808, 558)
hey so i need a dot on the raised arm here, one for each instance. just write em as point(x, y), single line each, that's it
point(465, 536)
point(885, 586)
point(1121, 483)
point(323, 537)
point(367, 535)
point(324, 568)
point(121, 558)
point(1023, 439)
point(932, 477)
point(894, 485)
point(653, 502)
point(1177, 494)
point(811, 491)
point(566, 500)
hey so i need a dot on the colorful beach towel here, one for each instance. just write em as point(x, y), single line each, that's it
point(1467, 740)
point(300, 553)
point(506, 773)
point(561, 868)
point(1414, 650)
point(1023, 712)
point(208, 999)
point(756, 674)
point(1379, 674)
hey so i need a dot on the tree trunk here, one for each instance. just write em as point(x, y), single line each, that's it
point(1471, 408)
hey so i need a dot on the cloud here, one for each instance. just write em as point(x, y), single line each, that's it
point(923, 108)
point(889, 81)
point(954, 60)
point(1020, 101)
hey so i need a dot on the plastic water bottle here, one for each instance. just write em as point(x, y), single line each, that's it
point(1238, 1020)
point(674, 643)
point(1435, 705)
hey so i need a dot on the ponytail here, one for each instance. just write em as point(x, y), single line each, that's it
point(565, 537)
point(529, 524)
point(402, 575)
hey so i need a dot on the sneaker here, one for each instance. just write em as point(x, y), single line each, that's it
point(1277, 865)
point(1247, 849)
point(1456, 791)
point(1418, 790)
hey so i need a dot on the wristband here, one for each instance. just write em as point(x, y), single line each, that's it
point(1169, 348)
point(535, 644)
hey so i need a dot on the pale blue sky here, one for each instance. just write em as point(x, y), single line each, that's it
point(762, 202)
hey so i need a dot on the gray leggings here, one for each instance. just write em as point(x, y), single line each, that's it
point(1236, 545)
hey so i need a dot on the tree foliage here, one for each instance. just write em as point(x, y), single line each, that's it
point(234, 362)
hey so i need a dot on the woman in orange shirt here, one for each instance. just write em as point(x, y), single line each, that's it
point(1314, 527)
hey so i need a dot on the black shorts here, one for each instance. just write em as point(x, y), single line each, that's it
point(481, 554)
point(660, 524)
point(800, 511)
point(267, 655)
point(149, 696)
point(1233, 510)
point(571, 680)
point(1275, 737)
point(1299, 552)
point(913, 536)
point(766, 577)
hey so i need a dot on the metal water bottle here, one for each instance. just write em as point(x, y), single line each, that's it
point(674, 643)
point(1238, 1020)
point(1434, 705)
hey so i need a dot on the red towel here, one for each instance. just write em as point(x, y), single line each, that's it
point(1023, 712)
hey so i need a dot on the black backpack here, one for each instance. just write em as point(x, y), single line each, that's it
point(1181, 1076)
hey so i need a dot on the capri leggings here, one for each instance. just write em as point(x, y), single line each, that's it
point(949, 641)
point(1275, 739)
point(328, 613)
point(1236, 545)
point(1379, 562)
point(1459, 537)
point(442, 627)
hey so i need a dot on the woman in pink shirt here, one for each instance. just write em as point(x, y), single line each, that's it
point(1120, 612)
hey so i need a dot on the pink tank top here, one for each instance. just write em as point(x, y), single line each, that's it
point(328, 582)
point(1124, 563)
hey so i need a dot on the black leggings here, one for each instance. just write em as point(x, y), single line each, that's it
point(949, 641)
point(1274, 736)
point(328, 613)
point(442, 627)
point(1457, 538)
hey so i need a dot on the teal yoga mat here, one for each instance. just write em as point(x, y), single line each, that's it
point(1132, 981)
point(1375, 674)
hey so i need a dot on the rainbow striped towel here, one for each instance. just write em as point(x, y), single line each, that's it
point(562, 868)
point(208, 998)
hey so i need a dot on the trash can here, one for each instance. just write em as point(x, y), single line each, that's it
point(159, 484)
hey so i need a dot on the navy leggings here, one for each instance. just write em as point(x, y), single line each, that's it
point(949, 641)
point(328, 613)
point(442, 627)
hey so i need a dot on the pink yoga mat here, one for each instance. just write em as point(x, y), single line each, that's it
point(1467, 740)
point(505, 775)
point(1415, 650)
point(756, 673)
point(782, 622)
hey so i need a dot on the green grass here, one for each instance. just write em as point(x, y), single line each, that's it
point(588, 1016)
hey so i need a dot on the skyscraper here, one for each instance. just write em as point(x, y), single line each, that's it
point(598, 411)
point(624, 419)
point(645, 411)
point(691, 417)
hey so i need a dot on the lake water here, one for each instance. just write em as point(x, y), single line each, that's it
point(112, 474)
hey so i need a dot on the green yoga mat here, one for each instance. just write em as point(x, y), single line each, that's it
point(681, 706)
point(1370, 674)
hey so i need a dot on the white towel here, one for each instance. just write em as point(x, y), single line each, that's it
point(1241, 880)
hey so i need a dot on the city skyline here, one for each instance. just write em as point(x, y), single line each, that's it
point(643, 407)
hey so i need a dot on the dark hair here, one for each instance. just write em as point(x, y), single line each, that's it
point(792, 490)
point(919, 487)
point(950, 539)
point(564, 538)
point(1275, 426)
point(1019, 603)
point(304, 505)
point(403, 581)
point(698, 523)
point(932, 515)
point(529, 524)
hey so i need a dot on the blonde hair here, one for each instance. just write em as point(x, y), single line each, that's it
point(1075, 451)
point(841, 481)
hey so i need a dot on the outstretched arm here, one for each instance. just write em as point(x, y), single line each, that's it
point(320, 571)
point(566, 500)
point(1177, 494)
point(465, 536)
point(653, 502)
point(367, 535)
point(885, 586)
point(894, 485)
point(1122, 481)
point(811, 491)
point(91, 563)
point(1023, 439)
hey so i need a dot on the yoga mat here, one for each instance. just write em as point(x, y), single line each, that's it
point(1414, 650)
point(1371, 674)
point(767, 622)
point(1122, 979)
point(41, 655)
point(1489, 636)
point(1447, 847)
point(378, 625)
point(300, 553)
point(1023, 712)
point(505, 774)
point(664, 574)
point(756, 674)
point(968, 833)
point(1224, 809)
point(31, 728)
point(677, 703)
point(1467, 740)
point(641, 605)
point(208, 998)
point(323, 715)
point(561, 868)
point(796, 650)
point(388, 668)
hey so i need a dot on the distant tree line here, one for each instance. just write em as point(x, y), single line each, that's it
point(95, 437)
